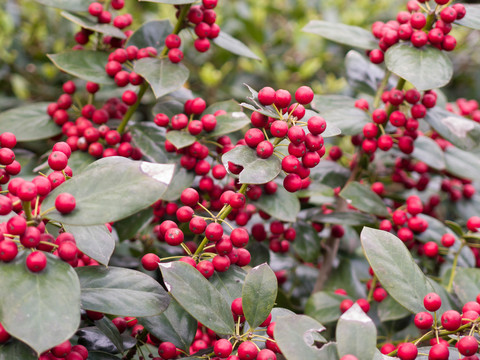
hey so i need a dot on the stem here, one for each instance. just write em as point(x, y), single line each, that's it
point(140, 340)
point(222, 217)
point(454, 266)
point(132, 109)
point(383, 84)
point(179, 24)
point(42, 214)
point(372, 288)
point(27, 208)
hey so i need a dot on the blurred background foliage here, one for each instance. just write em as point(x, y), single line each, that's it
point(272, 29)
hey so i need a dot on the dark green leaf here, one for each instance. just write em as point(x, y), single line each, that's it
point(330, 173)
point(132, 225)
point(296, 336)
point(181, 180)
point(282, 205)
point(97, 355)
point(324, 306)
point(259, 253)
point(180, 139)
point(79, 160)
point(356, 334)
point(174, 325)
point(91, 23)
point(349, 275)
point(457, 229)
point(150, 139)
point(100, 190)
point(345, 218)
point(389, 310)
point(162, 75)
point(461, 132)
point(31, 309)
point(472, 17)
point(426, 68)
point(85, 64)
point(255, 169)
point(229, 123)
point(307, 242)
point(29, 122)
point(15, 349)
point(95, 241)
point(120, 291)
point(462, 163)
point(229, 283)
point(95, 340)
point(228, 42)
point(364, 199)
point(466, 284)
point(388, 255)
point(343, 34)
point(258, 294)
point(151, 33)
point(108, 328)
point(196, 295)
point(70, 5)
point(229, 106)
point(173, 2)
point(429, 152)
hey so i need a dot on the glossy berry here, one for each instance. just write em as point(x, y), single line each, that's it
point(432, 302)
point(174, 236)
point(189, 197)
point(423, 320)
point(407, 351)
point(451, 320)
point(467, 345)
point(304, 95)
point(222, 348)
point(65, 203)
point(265, 149)
point(36, 261)
point(206, 268)
point(8, 250)
point(292, 183)
point(438, 352)
point(167, 350)
point(62, 350)
point(150, 261)
point(266, 354)
point(247, 351)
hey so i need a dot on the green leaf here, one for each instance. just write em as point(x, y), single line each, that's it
point(462, 132)
point(97, 355)
point(324, 306)
point(94, 339)
point(108, 328)
point(29, 122)
point(173, 2)
point(229, 283)
point(330, 173)
point(151, 33)
point(388, 255)
point(121, 291)
point(466, 284)
point(472, 17)
point(259, 294)
point(150, 139)
point(429, 152)
point(132, 225)
point(364, 199)
point(356, 334)
point(95, 241)
point(345, 218)
point(389, 310)
point(343, 34)
point(31, 309)
point(307, 242)
point(91, 23)
point(174, 325)
point(100, 190)
point(457, 229)
point(70, 5)
point(255, 169)
point(197, 296)
point(181, 180)
point(282, 205)
point(15, 349)
point(235, 46)
point(296, 336)
point(87, 65)
point(462, 163)
point(79, 160)
point(229, 106)
point(340, 111)
point(163, 76)
point(259, 253)
point(180, 139)
point(425, 68)
point(229, 123)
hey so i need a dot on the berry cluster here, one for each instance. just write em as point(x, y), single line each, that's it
point(279, 238)
point(66, 351)
point(418, 25)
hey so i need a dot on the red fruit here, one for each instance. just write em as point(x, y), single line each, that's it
point(432, 302)
point(430, 249)
point(451, 320)
point(222, 348)
point(197, 225)
point(95, 9)
point(206, 268)
point(239, 237)
point(376, 56)
point(8, 140)
point(345, 305)
point(363, 303)
point(292, 183)
point(267, 354)
point(214, 232)
point(31, 237)
point(253, 137)
point(221, 263)
point(57, 160)
point(247, 351)
point(438, 352)
point(448, 240)
point(27, 191)
point(65, 203)
point(244, 257)
point(282, 98)
point(173, 41)
point(8, 251)
point(419, 38)
point(467, 346)
point(150, 261)
point(418, 20)
point(62, 350)
point(189, 197)
point(265, 149)
point(129, 97)
point(379, 294)
point(174, 236)
point(175, 55)
point(36, 261)
point(167, 350)
point(16, 225)
point(423, 320)
point(316, 125)
point(473, 223)
point(237, 308)
point(6, 156)
point(201, 45)
point(304, 95)
point(379, 116)
point(407, 351)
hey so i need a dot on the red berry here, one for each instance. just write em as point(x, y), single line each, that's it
point(451, 320)
point(266, 96)
point(222, 348)
point(8, 251)
point(376, 56)
point(167, 350)
point(36, 261)
point(62, 350)
point(65, 203)
point(206, 268)
point(304, 95)
point(190, 197)
point(129, 97)
point(247, 351)
point(265, 149)
point(292, 183)
point(407, 351)
point(438, 352)
point(423, 320)
point(282, 98)
point(467, 345)
point(432, 302)
point(174, 236)
point(150, 261)
point(95, 9)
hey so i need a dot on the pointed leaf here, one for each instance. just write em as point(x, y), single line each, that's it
point(174, 325)
point(255, 169)
point(426, 68)
point(462, 163)
point(150, 139)
point(364, 199)
point(15, 349)
point(100, 190)
point(120, 291)
point(282, 205)
point(29, 122)
point(356, 334)
point(151, 33)
point(343, 34)
point(91, 23)
point(259, 294)
point(163, 76)
point(228, 42)
point(95, 241)
point(197, 296)
point(95, 339)
point(229, 123)
point(31, 312)
point(428, 151)
point(296, 336)
point(88, 65)
point(180, 139)
point(388, 255)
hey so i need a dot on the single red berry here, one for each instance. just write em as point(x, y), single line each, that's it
point(8, 250)
point(407, 351)
point(222, 348)
point(214, 232)
point(345, 305)
point(206, 268)
point(432, 302)
point(304, 95)
point(95, 9)
point(65, 203)
point(239, 237)
point(451, 320)
point(129, 97)
point(265, 149)
point(189, 197)
point(174, 236)
point(379, 294)
point(282, 99)
point(376, 56)
point(36, 261)
point(150, 261)
point(267, 354)
point(266, 96)
point(167, 350)
point(173, 41)
point(473, 223)
point(247, 351)
point(467, 345)
point(423, 320)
